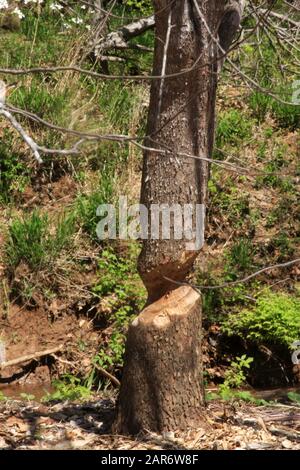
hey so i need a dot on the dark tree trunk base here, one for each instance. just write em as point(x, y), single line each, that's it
point(161, 387)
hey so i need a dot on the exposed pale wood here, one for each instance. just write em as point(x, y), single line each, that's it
point(161, 386)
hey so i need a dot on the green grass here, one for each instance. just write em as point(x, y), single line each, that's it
point(14, 174)
point(31, 240)
point(240, 256)
point(42, 100)
point(278, 82)
point(233, 128)
point(287, 116)
point(229, 201)
point(87, 204)
point(124, 296)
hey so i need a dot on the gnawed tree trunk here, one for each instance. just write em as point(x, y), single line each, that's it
point(160, 388)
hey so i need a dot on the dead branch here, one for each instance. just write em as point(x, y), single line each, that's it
point(238, 281)
point(106, 374)
point(30, 357)
point(119, 39)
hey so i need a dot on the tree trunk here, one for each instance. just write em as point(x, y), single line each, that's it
point(181, 120)
point(160, 387)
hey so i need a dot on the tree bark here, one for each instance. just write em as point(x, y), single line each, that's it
point(181, 120)
point(160, 388)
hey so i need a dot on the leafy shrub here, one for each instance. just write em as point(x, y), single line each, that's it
point(275, 319)
point(237, 395)
point(235, 376)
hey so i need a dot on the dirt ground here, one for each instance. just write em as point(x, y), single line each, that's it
point(28, 331)
point(86, 426)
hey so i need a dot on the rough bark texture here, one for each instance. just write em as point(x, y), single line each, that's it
point(181, 119)
point(161, 387)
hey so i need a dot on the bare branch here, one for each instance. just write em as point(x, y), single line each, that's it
point(239, 281)
point(30, 357)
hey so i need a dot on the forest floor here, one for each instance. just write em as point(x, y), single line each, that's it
point(62, 426)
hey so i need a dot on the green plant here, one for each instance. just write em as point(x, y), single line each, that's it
point(121, 290)
point(212, 300)
point(27, 396)
point(275, 319)
point(235, 376)
point(144, 6)
point(37, 99)
point(286, 115)
point(237, 395)
point(272, 78)
point(13, 172)
point(87, 204)
point(68, 388)
point(240, 256)
point(2, 396)
point(232, 128)
point(219, 302)
point(294, 396)
point(30, 240)
point(119, 101)
point(283, 245)
point(231, 202)
point(272, 177)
